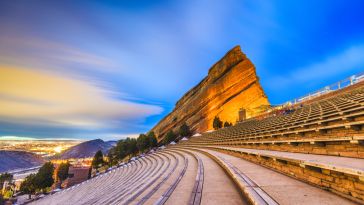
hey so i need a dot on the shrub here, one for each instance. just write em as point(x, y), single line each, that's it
point(184, 130)
point(217, 123)
point(170, 136)
point(228, 124)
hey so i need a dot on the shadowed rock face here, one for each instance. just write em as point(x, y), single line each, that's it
point(231, 84)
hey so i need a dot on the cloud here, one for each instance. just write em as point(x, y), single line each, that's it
point(35, 98)
point(47, 54)
point(351, 58)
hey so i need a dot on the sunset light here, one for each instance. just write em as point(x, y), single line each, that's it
point(229, 102)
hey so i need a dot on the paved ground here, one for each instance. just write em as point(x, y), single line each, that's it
point(336, 161)
point(218, 188)
point(283, 189)
point(182, 193)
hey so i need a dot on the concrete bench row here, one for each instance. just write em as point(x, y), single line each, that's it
point(135, 182)
point(340, 124)
point(285, 124)
point(337, 174)
point(116, 182)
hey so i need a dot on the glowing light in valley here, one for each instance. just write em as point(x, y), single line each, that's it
point(58, 149)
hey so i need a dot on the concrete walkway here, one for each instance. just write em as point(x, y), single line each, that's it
point(331, 162)
point(283, 189)
point(218, 188)
point(182, 193)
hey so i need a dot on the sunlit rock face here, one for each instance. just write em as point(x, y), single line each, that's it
point(231, 84)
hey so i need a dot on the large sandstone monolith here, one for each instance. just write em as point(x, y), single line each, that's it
point(231, 84)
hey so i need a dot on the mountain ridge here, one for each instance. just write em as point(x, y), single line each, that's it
point(87, 149)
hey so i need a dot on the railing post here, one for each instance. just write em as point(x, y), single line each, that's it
point(340, 85)
point(352, 80)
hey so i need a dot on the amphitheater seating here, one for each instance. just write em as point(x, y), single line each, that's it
point(330, 126)
point(320, 142)
point(149, 179)
point(311, 155)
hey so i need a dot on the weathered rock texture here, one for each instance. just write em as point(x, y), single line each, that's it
point(231, 84)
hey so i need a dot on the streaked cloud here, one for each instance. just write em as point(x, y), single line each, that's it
point(19, 138)
point(31, 97)
point(51, 55)
point(123, 57)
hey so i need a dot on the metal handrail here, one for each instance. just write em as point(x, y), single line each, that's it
point(352, 80)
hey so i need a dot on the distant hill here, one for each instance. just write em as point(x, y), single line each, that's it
point(87, 149)
point(11, 160)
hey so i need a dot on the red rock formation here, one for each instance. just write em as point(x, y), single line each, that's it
point(231, 84)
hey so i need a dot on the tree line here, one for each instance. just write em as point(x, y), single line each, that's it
point(129, 147)
point(124, 148)
point(217, 123)
point(44, 178)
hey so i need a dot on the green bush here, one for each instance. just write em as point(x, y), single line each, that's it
point(217, 123)
point(184, 130)
point(170, 136)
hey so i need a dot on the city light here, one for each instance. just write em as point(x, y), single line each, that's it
point(58, 149)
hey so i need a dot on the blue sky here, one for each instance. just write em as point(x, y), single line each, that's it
point(111, 69)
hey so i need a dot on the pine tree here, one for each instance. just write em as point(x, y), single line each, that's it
point(112, 157)
point(62, 172)
point(44, 177)
point(152, 140)
point(98, 160)
point(143, 142)
point(28, 186)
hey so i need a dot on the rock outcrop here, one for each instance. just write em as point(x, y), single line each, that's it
point(231, 84)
